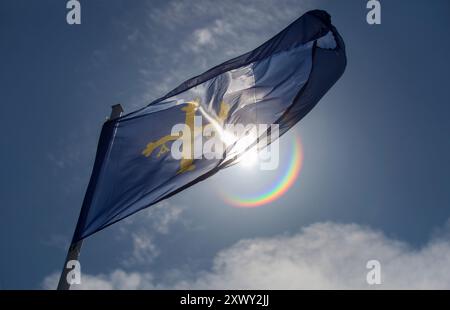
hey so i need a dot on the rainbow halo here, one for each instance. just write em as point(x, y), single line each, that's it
point(287, 178)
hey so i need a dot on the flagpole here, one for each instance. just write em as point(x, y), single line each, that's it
point(75, 248)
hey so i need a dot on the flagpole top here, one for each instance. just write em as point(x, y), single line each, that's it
point(116, 111)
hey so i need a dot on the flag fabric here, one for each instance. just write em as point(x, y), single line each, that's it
point(277, 83)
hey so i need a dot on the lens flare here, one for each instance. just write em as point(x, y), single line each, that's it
point(279, 188)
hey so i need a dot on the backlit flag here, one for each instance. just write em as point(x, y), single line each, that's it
point(277, 83)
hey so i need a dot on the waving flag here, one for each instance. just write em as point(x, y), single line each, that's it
point(277, 83)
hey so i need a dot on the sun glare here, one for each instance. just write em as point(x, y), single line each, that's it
point(250, 158)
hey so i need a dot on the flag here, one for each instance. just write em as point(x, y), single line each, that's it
point(277, 83)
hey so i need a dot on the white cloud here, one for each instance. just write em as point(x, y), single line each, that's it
point(158, 218)
point(144, 249)
point(143, 230)
point(321, 256)
point(117, 279)
point(203, 37)
point(207, 37)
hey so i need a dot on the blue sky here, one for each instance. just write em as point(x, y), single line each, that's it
point(374, 185)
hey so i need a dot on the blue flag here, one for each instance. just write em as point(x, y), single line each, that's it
point(277, 83)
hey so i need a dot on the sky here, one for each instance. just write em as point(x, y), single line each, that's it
point(376, 172)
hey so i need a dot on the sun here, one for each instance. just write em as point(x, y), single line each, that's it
point(250, 158)
point(243, 146)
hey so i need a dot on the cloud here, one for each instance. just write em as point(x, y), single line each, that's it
point(143, 230)
point(203, 37)
point(144, 249)
point(321, 256)
point(208, 37)
point(118, 279)
point(162, 216)
point(216, 30)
